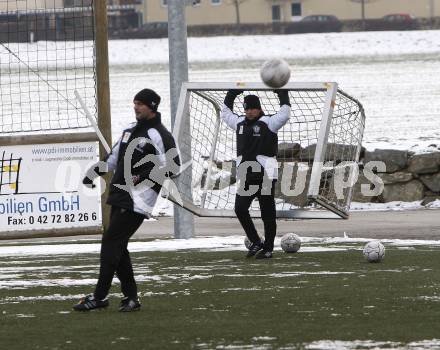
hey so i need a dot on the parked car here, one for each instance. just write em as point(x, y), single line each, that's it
point(321, 18)
point(155, 26)
point(320, 23)
point(401, 21)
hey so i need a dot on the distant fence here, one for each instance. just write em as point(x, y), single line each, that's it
point(161, 31)
point(62, 25)
point(47, 26)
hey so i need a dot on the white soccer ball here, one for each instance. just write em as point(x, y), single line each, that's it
point(290, 242)
point(275, 73)
point(374, 251)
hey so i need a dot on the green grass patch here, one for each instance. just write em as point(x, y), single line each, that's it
point(215, 300)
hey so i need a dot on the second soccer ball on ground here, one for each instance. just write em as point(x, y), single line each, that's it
point(290, 243)
point(374, 251)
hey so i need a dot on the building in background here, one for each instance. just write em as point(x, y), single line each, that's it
point(54, 19)
point(268, 11)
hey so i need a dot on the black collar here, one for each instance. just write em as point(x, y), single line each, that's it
point(150, 122)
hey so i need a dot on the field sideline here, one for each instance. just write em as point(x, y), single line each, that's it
point(409, 224)
point(325, 297)
point(406, 224)
point(202, 294)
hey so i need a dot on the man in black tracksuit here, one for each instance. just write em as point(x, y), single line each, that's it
point(257, 146)
point(133, 192)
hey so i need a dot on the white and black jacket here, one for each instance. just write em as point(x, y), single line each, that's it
point(152, 145)
point(257, 140)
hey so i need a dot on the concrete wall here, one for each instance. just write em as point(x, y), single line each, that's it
point(406, 177)
point(251, 11)
point(260, 11)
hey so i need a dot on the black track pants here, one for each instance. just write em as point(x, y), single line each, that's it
point(114, 254)
point(268, 213)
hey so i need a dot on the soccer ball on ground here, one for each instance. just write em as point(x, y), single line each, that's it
point(290, 242)
point(275, 73)
point(374, 251)
point(248, 243)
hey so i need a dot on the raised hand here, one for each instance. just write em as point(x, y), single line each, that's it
point(283, 96)
point(230, 97)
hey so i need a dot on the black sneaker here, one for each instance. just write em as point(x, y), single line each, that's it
point(264, 254)
point(128, 304)
point(253, 249)
point(90, 303)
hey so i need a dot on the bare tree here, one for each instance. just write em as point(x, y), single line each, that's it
point(237, 4)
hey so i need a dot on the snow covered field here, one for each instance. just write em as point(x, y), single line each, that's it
point(393, 74)
point(324, 297)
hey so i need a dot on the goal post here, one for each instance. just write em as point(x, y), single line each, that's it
point(317, 158)
point(47, 53)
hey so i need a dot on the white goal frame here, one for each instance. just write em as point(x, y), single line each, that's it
point(326, 210)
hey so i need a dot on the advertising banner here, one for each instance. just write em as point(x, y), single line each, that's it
point(41, 187)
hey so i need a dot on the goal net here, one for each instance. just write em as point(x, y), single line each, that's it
point(46, 53)
point(317, 156)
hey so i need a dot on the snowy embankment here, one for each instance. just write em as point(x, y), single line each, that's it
point(313, 46)
point(229, 243)
point(297, 46)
